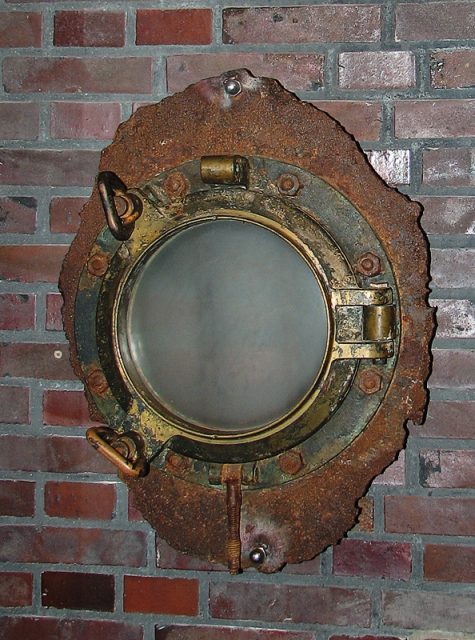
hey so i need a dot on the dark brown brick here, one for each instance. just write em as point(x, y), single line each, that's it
point(198, 632)
point(280, 602)
point(20, 29)
point(373, 559)
point(451, 469)
point(429, 610)
point(27, 544)
point(307, 568)
point(453, 516)
point(453, 268)
point(17, 215)
point(448, 215)
point(376, 70)
point(16, 589)
point(82, 500)
point(17, 498)
point(89, 29)
point(64, 214)
point(17, 311)
point(450, 167)
point(455, 318)
point(435, 21)
point(43, 167)
point(178, 26)
point(361, 119)
point(33, 360)
point(453, 369)
point(65, 408)
point(84, 120)
point(449, 563)
point(14, 628)
point(31, 263)
point(167, 596)
point(434, 118)
point(78, 75)
point(15, 403)
point(65, 590)
point(294, 71)
point(54, 306)
point(448, 420)
point(55, 454)
point(19, 120)
point(169, 558)
point(342, 23)
point(453, 69)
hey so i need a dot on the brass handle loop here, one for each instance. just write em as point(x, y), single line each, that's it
point(122, 450)
point(110, 187)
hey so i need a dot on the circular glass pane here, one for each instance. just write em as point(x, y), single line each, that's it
point(225, 325)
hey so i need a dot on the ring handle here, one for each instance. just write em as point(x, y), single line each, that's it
point(110, 187)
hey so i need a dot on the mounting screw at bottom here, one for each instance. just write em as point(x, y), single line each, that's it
point(258, 554)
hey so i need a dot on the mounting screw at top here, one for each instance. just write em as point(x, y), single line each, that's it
point(369, 264)
point(232, 87)
point(288, 184)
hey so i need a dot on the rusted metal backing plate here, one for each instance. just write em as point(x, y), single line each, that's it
point(299, 518)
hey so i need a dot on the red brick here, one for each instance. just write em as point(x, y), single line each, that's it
point(453, 69)
point(17, 311)
point(16, 589)
point(451, 469)
point(33, 360)
point(429, 610)
point(294, 71)
point(68, 590)
point(198, 632)
point(17, 215)
point(393, 165)
point(434, 118)
point(89, 29)
point(66, 408)
point(448, 420)
point(449, 563)
point(455, 318)
point(83, 500)
point(280, 602)
point(64, 214)
point(15, 403)
point(349, 23)
point(17, 498)
point(14, 628)
point(376, 70)
point(19, 120)
point(448, 215)
point(373, 559)
point(435, 21)
point(179, 26)
point(395, 474)
point(169, 558)
point(450, 167)
point(428, 515)
point(167, 596)
point(78, 75)
point(20, 29)
point(364, 638)
point(31, 263)
point(54, 305)
point(55, 454)
point(307, 568)
point(86, 120)
point(453, 268)
point(453, 369)
point(361, 119)
point(43, 167)
point(27, 544)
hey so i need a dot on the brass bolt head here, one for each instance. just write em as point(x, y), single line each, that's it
point(291, 462)
point(97, 382)
point(370, 381)
point(369, 264)
point(98, 264)
point(288, 184)
point(176, 185)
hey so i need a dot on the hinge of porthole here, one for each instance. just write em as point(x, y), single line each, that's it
point(365, 322)
point(225, 170)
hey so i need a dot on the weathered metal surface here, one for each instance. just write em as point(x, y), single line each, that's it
point(238, 114)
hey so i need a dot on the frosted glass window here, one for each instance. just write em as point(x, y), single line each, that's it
point(225, 325)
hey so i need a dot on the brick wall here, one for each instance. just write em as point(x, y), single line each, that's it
point(78, 560)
